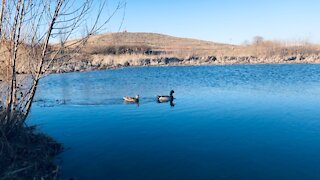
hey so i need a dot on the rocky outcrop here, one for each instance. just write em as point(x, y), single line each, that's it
point(99, 63)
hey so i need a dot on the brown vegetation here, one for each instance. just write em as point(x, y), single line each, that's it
point(157, 42)
point(27, 154)
point(182, 47)
point(112, 50)
point(26, 29)
point(123, 49)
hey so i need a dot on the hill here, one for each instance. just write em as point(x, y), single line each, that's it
point(156, 42)
point(113, 50)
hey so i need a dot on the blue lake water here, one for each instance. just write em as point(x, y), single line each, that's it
point(227, 122)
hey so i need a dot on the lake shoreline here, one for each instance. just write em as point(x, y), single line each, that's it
point(77, 66)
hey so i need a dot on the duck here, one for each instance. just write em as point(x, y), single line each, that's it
point(131, 99)
point(166, 98)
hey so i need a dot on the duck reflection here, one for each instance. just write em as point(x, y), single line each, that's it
point(128, 103)
point(172, 103)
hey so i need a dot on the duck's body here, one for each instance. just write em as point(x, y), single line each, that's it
point(166, 98)
point(131, 99)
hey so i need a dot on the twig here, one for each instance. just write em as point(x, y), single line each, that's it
point(18, 170)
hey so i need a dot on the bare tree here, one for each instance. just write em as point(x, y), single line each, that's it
point(35, 35)
point(257, 40)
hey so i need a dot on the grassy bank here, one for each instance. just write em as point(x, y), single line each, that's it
point(114, 50)
point(27, 154)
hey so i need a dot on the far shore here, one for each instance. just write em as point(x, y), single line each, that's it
point(88, 65)
point(117, 50)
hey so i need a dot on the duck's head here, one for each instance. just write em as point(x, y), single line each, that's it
point(171, 92)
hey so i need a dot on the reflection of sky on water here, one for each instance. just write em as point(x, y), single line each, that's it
point(228, 122)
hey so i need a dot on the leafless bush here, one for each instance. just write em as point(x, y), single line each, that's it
point(257, 40)
point(28, 29)
point(29, 32)
point(122, 49)
point(261, 47)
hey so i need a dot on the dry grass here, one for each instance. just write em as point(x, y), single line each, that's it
point(27, 154)
point(183, 47)
point(137, 49)
point(3, 57)
point(156, 42)
point(281, 49)
point(24, 63)
point(114, 50)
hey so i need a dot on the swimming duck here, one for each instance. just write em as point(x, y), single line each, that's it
point(166, 98)
point(131, 99)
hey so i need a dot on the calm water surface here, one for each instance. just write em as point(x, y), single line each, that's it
point(227, 122)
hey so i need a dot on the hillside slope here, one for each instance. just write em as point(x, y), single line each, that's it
point(156, 42)
point(113, 50)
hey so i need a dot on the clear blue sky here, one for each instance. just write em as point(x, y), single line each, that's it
point(229, 21)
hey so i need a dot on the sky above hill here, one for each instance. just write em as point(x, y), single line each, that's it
point(227, 21)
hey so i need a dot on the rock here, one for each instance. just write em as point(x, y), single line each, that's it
point(194, 58)
point(292, 58)
point(145, 62)
point(171, 60)
point(211, 58)
point(126, 64)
